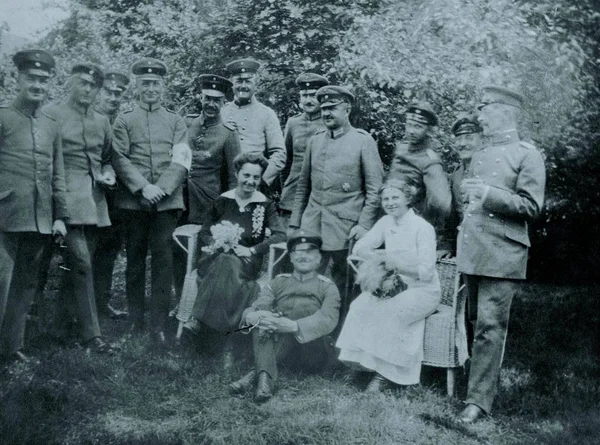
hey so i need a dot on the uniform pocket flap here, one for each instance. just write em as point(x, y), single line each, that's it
point(5, 194)
point(519, 235)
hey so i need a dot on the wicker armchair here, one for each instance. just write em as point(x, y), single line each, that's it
point(445, 342)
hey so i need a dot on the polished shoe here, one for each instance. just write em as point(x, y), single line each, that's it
point(470, 414)
point(264, 388)
point(242, 385)
point(377, 384)
point(99, 346)
point(192, 326)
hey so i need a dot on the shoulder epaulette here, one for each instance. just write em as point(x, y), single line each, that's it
point(527, 145)
point(170, 111)
point(4, 105)
point(361, 131)
point(229, 126)
point(49, 116)
point(192, 116)
point(322, 130)
point(283, 275)
point(324, 278)
point(127, 110)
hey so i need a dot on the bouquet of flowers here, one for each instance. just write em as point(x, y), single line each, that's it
point(381, 282)
point(226, 236)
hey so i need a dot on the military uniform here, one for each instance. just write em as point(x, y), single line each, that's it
point(150, 147)
point(493, 245)
point(421, 166)
point(110, 238)
point(258, 126)
point(314, 303)
point(86, 137)
point(338, 189)
point(214, 146)
point(32, 196)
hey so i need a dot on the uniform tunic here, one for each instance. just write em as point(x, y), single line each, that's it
point(492, 250)
point(32, 179)
point(298, 130)
point(214, 146)
point(142, 150)
point(259, 132)
point(386, 335)
point(86, 140)
point(421, 166)
point(338, 186)
point(313, 301)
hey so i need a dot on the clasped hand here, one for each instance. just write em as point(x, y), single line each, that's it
point(152, 193)
point(272, 322)
point(472, 189)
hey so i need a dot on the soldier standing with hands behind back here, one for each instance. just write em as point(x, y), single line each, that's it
point(503, 191)
point(33, 201)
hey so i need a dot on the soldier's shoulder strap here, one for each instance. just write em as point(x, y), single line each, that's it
point(127, 110)
point(192, 115)
point(324, 278)
point(229, 126)
point(527, 145)
point(363, 132)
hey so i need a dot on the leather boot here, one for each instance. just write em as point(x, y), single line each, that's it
point(470, 414)
point(377, 384)
point(264, 388)
point(242, 385)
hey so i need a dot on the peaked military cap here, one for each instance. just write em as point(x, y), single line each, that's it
point(302, 237)
point(90, 72)
point(494, 94)
point(149, 67)
point(311, 81)
point(466, 123)
point(213, 85)
point(35, 59)
point(243, 67)
point(422, 112)
point(114, 81)
point(331, 95)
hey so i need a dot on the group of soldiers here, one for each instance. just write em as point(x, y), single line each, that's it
point(98, 178)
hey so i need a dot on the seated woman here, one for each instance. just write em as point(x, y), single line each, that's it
point(227, 270)
point(385, 325)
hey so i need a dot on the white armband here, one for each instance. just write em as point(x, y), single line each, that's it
point(182, 155)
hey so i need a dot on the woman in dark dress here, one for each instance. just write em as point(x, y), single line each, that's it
point(227, 279)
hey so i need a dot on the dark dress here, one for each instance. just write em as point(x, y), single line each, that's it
point(227, 283)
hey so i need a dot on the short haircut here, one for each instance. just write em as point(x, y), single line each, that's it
point(250, 158)
point(410, 191)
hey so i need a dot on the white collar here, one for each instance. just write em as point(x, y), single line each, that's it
point(256, 196)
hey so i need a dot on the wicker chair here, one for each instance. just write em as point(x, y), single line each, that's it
point(445, 342)
point(189, 291)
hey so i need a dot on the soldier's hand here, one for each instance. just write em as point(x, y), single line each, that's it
point(59, 229)
point(108, 179)
point(472, 189)
point(153, 193)
point(254, 317)
point(357, 232)
point(242, 252)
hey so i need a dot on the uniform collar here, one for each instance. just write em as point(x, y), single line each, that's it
point(305, 276)
point(147, 107)
point(252, 100)
point(504, 137)
point(26, 108)
point(339, 132)
point(309, 118)
point(209, 121)
point(86, 111)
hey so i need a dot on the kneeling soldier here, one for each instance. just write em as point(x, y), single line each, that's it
point(295, 313)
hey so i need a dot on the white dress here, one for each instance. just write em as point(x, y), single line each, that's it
point(386, 336)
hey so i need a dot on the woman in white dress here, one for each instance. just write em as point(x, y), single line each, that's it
point(383, 331)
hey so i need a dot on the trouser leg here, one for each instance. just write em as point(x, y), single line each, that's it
point(107, 250)
point(80, 242)
point(23, 286)
point(8, 257)
point(489, 303)
point(161, 232)
point(269, 350)
point(137, 230)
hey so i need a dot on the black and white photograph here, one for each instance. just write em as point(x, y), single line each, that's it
point(299, 222)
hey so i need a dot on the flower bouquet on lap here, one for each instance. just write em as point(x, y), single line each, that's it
point(226, 236)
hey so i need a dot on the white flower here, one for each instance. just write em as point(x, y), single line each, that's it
point(258, 218)
point(346, 187)
point(226, 236)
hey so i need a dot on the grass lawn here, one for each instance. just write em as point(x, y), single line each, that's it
point(549, 391)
